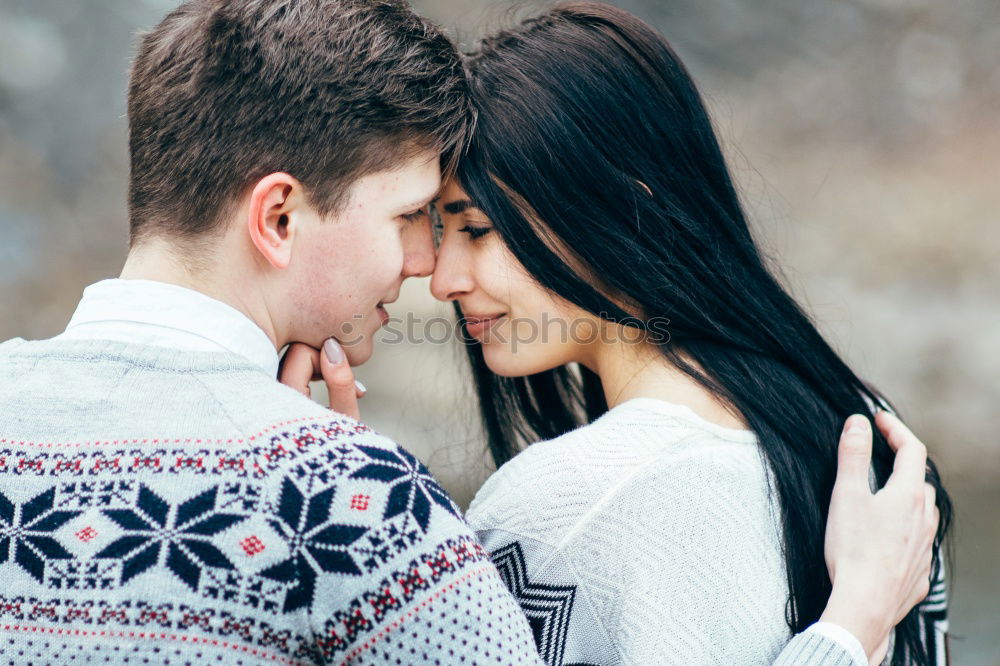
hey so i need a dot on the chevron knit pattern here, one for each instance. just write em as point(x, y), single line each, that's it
point(178, 508)
point(548, 607)
point(647, 537)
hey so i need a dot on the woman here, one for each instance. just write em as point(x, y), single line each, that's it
point(599, 255)
point(606, 275)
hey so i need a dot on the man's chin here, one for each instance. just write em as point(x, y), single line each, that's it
point(359, 353)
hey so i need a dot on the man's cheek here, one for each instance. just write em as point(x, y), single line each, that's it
point(357, 329)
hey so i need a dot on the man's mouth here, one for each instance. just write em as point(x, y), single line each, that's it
point(382, 313)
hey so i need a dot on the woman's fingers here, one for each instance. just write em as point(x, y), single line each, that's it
point(303, 364)
point(339, 378)
point(910, 466)
point(854, 455)
point(299, 366)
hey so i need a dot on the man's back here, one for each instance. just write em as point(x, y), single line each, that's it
point(184, 507)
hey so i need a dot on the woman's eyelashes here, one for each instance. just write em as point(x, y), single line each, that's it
point(475, 232)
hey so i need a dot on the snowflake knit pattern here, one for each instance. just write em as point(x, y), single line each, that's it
point(165, 507)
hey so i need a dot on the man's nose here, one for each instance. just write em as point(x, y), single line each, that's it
point(418, 249)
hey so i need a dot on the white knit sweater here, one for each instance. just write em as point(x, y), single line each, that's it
point(647, 537)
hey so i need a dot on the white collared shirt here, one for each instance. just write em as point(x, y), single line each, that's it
point(166, 315)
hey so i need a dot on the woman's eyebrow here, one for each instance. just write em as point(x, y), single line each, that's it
point(456, 207)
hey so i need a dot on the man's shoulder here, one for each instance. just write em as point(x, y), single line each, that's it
point(8, 346)
point(143, 389)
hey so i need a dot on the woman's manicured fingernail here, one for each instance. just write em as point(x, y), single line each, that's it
point(333, 352)
point(361, 387)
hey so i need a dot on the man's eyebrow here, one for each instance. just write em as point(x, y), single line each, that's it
point(458, 206)
point(422, 203)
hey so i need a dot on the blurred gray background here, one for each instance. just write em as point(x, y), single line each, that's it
point(865, 135)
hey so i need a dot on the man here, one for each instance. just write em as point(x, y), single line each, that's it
point(162, 498)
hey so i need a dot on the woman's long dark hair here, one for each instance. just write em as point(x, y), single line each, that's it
point(592, 137)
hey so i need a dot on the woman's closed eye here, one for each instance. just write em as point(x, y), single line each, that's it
point(475, 232)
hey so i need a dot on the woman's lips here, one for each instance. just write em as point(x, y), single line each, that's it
point(477, 326)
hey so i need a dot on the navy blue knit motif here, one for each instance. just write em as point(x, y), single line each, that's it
point(183, 531)
point(548, 607)
point(315, 544)
point(413, 487)
point(26, 532)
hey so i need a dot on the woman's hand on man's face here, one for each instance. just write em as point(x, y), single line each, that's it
point(879, 545)
point(303, 364)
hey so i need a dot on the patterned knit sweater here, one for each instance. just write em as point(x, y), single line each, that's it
point(649, 537)
point(171, 507)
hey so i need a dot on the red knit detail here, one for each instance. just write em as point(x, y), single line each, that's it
point(332, 416)
point(86, 534)
point(252, 545)
point(415, 609)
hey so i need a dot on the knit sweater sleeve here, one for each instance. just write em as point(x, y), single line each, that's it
point(377, 557)
point(678, 563)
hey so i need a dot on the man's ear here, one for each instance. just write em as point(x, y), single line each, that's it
point(276, 204)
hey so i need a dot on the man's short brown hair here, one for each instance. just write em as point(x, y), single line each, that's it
point(223, 92)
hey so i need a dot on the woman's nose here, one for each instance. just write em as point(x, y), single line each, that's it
point(451, 279)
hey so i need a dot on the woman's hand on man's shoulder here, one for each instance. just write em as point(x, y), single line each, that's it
point(879, 545)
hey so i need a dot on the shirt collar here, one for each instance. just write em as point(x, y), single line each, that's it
point(167, 315)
